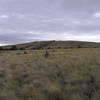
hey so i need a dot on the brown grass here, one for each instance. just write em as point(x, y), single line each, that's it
point(71, 74)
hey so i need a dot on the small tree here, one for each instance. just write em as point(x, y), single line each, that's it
point(25, 52)
point(79, 46)
point(14, 47)
point(46, 54)
point(1, 48)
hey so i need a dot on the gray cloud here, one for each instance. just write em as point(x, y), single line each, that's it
point(29, 20)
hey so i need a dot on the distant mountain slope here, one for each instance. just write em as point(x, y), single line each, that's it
point(55, 45)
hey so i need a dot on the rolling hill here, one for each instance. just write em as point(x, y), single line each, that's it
point(54, 45)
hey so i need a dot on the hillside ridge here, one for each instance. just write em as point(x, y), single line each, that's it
point(53, 45)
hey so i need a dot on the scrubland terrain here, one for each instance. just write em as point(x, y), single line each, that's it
point(52, 45)
point(61, 74)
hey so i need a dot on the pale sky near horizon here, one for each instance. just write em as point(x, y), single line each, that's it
point(36, 20)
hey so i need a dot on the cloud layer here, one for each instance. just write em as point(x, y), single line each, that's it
point(32, 20)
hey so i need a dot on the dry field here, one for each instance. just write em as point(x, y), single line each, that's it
point(65, 74)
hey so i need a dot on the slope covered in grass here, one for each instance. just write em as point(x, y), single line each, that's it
point(55, 45)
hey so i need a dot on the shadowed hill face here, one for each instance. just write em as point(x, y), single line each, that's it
point(55, 45)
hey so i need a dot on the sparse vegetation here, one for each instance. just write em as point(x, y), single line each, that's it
point(71, 74)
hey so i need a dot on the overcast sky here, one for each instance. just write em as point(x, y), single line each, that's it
point(31, 20)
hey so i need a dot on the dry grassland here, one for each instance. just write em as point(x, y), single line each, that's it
point(72, 74)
